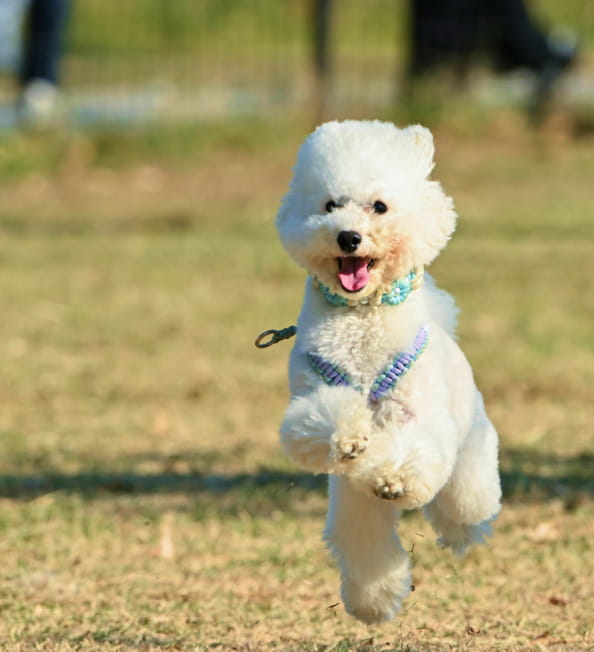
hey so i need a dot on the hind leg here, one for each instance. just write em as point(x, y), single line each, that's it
point(462, 512)
point(374, 566)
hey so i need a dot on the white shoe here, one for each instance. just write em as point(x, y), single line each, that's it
point(39, 103)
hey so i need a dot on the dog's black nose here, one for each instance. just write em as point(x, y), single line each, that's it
point(348, 241)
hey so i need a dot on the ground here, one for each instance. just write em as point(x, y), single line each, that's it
point(145, 503)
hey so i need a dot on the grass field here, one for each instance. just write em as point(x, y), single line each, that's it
point(145, 503)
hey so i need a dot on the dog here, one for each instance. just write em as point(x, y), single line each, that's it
point(382, 398)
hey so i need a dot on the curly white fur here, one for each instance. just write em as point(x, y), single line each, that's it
point(429, 443)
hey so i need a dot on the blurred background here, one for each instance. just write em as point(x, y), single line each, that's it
point(125, 62)
point(145, 502)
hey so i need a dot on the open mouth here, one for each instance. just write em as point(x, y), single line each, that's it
point(353, 272)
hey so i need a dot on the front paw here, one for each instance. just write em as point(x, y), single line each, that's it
point(348, 446)
point(350, 439)
point(402, 485)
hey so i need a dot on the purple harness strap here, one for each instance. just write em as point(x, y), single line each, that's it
point(332, 375)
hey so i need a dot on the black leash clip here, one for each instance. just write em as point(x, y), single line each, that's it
point(275, 336)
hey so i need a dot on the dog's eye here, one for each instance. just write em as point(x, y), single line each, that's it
point(379, 207)
point(330, 206)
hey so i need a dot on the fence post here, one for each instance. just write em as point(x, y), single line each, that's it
point(322, 10)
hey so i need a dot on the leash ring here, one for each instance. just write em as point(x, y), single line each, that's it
point(275, 336)
point(264, 345)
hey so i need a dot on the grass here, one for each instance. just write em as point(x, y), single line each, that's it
point(145, 503)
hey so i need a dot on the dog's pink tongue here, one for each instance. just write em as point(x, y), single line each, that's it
point(353, 273)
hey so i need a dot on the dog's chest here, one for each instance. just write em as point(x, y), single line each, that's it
point(360, 344)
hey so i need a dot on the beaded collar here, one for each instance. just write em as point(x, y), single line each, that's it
point(398, 292)
point(386, 381)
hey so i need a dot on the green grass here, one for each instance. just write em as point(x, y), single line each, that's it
point(145, 503)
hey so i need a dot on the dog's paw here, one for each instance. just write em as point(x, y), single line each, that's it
point(388, 487)
point(347, 447)
point(351, 437)
point(377, 598)
point(402, 485)
point(460, 536)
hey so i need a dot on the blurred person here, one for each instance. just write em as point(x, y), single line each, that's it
point(42, 51)
point(31, 41)
point(453, 32)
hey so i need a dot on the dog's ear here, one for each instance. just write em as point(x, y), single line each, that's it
point(422, 148)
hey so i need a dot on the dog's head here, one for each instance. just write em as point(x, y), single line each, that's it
point(361, 211)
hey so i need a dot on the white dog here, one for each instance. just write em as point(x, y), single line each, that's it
point(382, 397)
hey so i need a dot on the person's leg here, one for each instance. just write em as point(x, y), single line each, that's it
point(518, 41)
point(442, 32)
point(43, 49)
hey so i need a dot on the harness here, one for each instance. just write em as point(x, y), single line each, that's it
point(386, 381)
point(396, 368)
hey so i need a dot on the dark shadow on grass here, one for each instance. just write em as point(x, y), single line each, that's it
point(529, 475)
point(260, 494)
point(526, 475)
point(30, 486)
